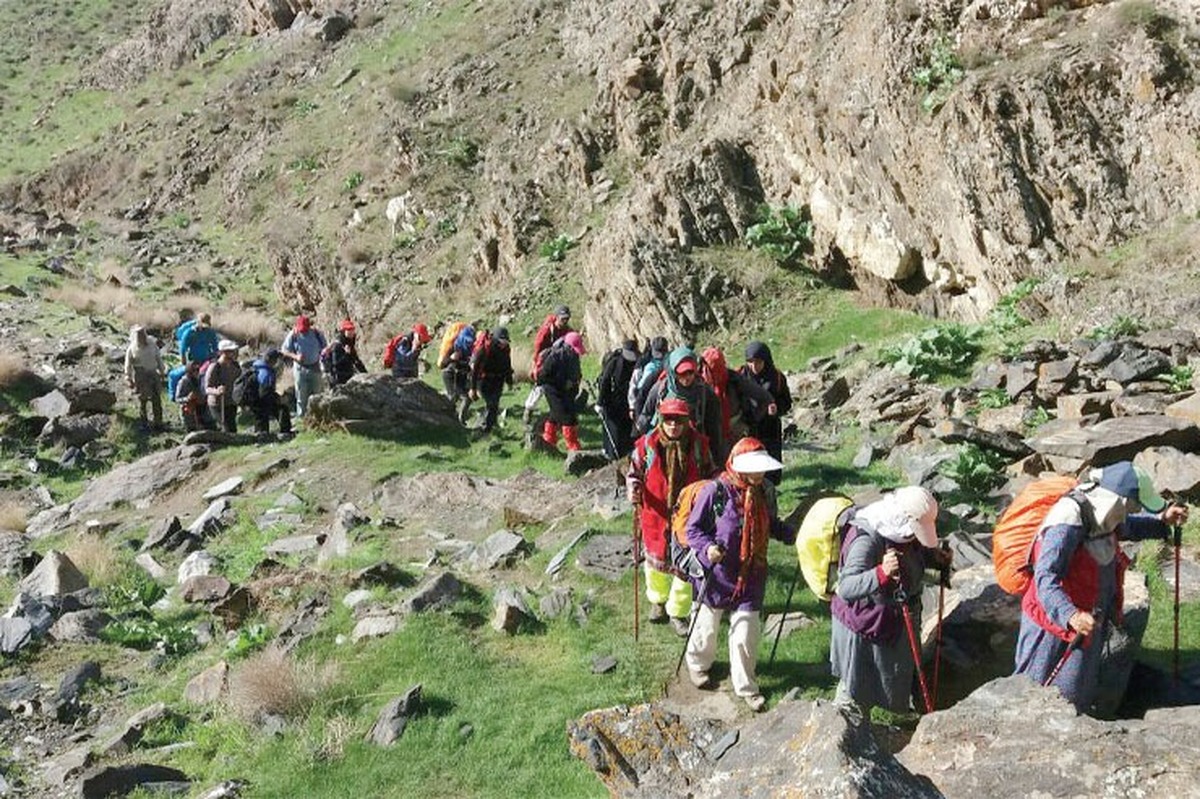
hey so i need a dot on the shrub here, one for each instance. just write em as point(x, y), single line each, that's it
point(1179, 378)
point(947, 350)
point(784, 233)
point(352, 181)
point(272, 682)
point(556, 249)
point(1120, 325)
point(250, 638)
point(98, 560)
point(976, 470)
point(941, 72)
point(994, 398)
point(250, 327)
point(461, 151)
point(1035, 418)
point(1005, 317)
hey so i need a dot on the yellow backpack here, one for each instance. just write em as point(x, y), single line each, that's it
point(819, 544)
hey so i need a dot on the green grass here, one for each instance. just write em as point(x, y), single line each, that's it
point(1158, 645)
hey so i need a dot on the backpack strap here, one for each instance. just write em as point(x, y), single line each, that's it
point(1088, 514)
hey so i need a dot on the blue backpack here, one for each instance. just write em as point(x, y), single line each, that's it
point(464, 343)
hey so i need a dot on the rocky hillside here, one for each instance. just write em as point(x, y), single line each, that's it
point(943, 151)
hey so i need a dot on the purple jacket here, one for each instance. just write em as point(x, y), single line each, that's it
point(716, 518)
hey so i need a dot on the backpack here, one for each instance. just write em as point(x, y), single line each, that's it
point(327, 368)
point(245, 386)
point(464, 342)
point(1017, 529)
point(389, 355)
point(819, 543)
point(650, 374)
point(447, 346)
point(678, 550)
point(181, 332)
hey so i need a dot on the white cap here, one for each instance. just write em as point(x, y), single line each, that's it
point(225, 345)
point(754, 462)
point(922, 509)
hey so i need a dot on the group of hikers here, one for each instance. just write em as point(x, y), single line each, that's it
point(704, 444)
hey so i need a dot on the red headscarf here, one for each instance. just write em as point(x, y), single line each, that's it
point(756, 519)
point(715, 372)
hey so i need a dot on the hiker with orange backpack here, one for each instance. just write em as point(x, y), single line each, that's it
point(403, 352)
point(874, 647)
point(663, 461)
point(727, 532)
point(1078, 569)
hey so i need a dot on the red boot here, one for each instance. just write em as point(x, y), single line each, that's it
point(571, 434)
point(550, 433)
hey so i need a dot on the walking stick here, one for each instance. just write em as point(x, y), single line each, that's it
point(1072, 645)
point(637, 546)
point(1178, 544)
point(786, 608)
point(902, 598)
point(692, 625)
point(943, 581)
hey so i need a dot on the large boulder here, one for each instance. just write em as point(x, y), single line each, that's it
point(646, 751)
point(383, 406)
point(1013, 737)
point(1118, 439)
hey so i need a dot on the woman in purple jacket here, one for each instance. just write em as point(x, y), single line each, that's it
point(728, 531)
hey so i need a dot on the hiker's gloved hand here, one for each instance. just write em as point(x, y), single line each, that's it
point(891, 564)
point(1174, 515)
point(1082, 622)
point(715, 554)
point(633, 490)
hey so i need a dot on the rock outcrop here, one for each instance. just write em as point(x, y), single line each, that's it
point(383, 406)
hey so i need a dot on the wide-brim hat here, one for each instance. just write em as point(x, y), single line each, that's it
point(754, 462)
point(922, 509)
point(225, 345)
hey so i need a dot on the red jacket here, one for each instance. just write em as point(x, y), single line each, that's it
point(545, 337)
point(1081, 583)
point(648, 464)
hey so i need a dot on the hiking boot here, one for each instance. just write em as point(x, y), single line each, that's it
point(700, 679)
point(680, 626)
point(658, 613)
point(756, 702)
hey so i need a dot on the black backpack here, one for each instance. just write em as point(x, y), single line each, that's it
point(245, 386)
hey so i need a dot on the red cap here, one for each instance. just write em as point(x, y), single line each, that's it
point(674, 407)
point(302, 323)
point(346, 326)
point(686, 365)
point(422, 333)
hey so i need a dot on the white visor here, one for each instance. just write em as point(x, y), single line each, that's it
point(755, 462)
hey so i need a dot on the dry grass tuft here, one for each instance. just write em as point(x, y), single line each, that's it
point(98, 560)
point(272, 682)
point(13, 371)
point(249, 327)
point(13, 517)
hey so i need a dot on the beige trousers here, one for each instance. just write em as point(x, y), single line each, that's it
point(745, 629)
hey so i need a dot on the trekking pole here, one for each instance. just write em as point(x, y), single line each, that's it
point(787, 606)
point(1072, 645)
point(1178, 545)
point(943, 581)
point(637, 545)
point(902, 598)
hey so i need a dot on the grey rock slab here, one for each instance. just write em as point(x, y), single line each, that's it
point(218, 516)
point(81, 627)
point(54, 575)
point(18, 689)
point(581, 461)
point(957, 431)
point(1172, 471)
point(354, 598)
point(66, 766)
point(1063, 754)
point(225, 488)
point(510, 610)
point(1118, 439)
point(294, 545)
point(277, 516)
point(208, 686)
point(501, 548)
point(204, 588)
point(104, 781)
point(606, 556)
point(604, 664)
point(135, 727)
point(14, 549)
point(435, 592)
point(51, 405)
point(556, 603)
point(195, 564)
point(393, 717)
point(383, 406)
point(560, 558)
point(76, 679)
point(151, 566)
point(289, 500)
point(376, 626)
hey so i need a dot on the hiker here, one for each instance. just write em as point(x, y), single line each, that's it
point(1078, 569)
point(455, 363)
point(552, 329)
point(735, 392)
point(404, 351)
point(189, 394)
point(144, 372)
point(681, 379)
point(645, 372)
point(303, 346)
point(765, 420)
point(727, 532)
point(886, 549)
point(340, 358)
point(663, 461)
point(559, 375)
point(264, 400)
point(219, 379)
point(491, 369)
point(199, 343)
point(612, 401)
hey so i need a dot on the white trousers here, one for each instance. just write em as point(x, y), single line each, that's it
point(535, 396)
point(745, 629)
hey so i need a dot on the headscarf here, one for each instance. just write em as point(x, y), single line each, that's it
point(756, 518)
point(677, 356)
point(715, 372)
point(303, 324)
point(768, 377)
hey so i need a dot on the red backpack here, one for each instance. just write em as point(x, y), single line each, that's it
point(389, 355)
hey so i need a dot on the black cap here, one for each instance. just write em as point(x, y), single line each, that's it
point(562, 312)
point(270, 354)
point(658, 347)
point(629, 350)
point(500, 333)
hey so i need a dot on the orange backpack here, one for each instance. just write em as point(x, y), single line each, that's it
point(677, 550)
point(1018, 526)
